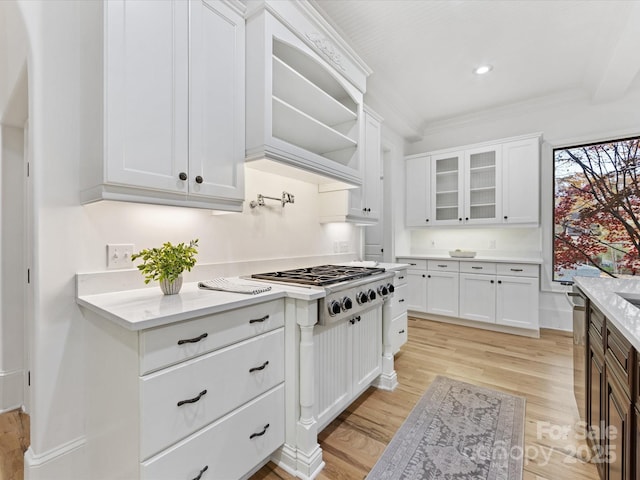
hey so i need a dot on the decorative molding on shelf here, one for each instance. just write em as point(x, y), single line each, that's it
point(327, 48)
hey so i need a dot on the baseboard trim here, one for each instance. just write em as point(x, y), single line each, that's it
point(11, 390)
point(480, 325)
point(67, 461)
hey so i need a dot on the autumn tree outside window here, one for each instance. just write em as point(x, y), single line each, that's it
point(597, 210)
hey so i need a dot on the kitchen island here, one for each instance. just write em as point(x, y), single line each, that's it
point(612, 413)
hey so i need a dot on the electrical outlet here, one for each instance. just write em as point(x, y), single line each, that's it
point(344, 246)
point(119, 255)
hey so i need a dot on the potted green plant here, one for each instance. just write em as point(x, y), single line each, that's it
point(167, 263)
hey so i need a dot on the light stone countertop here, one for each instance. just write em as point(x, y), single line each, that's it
point(149, 307)
point(605, 294)
point(477, 258)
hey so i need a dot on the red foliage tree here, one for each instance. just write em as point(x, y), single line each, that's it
point(597, 207)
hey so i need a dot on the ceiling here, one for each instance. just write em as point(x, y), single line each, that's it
point(423, 52)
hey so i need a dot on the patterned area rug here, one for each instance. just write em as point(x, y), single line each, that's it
point(457, 431)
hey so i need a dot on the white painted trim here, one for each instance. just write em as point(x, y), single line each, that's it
point(68, 460)
point(11, 390)
point(553, 319)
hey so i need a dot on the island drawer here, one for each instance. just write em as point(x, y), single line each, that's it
point(400, 278)
point(170, 344)
point(620, 353)
point(596, 321)
point(228, 448)
point(398, 302)
point(518, 269)
point(177, 401)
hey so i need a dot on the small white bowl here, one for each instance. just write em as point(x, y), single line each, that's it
point(462, 253)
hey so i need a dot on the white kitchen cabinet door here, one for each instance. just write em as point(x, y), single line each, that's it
point(366, 200)
point(367, 349)
point(216, 107)
point(417, 290)
point(442, 293)
point(517, 302)
point(146, 94)
point(521, 181)
point(478, 297)
point(447, 188)
point(482, 186)
point(418, 191)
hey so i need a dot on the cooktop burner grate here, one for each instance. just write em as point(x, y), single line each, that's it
point(320, 275)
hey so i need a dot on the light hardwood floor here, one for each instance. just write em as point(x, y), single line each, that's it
point(538, 369)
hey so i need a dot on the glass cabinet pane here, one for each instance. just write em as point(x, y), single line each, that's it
point(447, 185)
point(482, 185)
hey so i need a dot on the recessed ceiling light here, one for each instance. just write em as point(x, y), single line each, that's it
point(482, 69)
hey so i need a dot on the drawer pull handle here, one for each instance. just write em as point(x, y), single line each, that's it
point(414, 264)
point(261, 367)
point(401, 300)
point(199, 476)
point(193, 400)
point(400, 278)
point(516, 270)
point(259, 320)
point(477, 268)
point(259, 434)
point(193, 340)
point(401, 331)
point(442, 266)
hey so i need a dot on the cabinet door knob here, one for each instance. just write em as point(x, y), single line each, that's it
point(492, 281)
point(499, 281)
point(460, 219)
point(182, 176)
point(428, 276)
point(505, 217)
point(466, 218)
point(423, 275)
point(427, 220)
point(199, 179)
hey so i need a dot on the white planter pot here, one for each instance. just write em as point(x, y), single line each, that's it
point(171, 288)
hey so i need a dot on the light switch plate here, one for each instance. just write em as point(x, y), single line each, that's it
point(119, 255)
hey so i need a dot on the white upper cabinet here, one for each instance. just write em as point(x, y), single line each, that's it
point(488, 184)
point(418, 191)
point(173, 105)
point(363, 204)
point(521, 181)
point(216, 109)
point(304, 94)
point(447, 188)
point(482, 185)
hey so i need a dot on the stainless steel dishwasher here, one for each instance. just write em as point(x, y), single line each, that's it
point(578, 301)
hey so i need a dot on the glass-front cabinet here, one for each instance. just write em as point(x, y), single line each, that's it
point(447, 187)
point(482, 180)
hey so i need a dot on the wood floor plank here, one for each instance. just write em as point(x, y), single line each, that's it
point(538, 369)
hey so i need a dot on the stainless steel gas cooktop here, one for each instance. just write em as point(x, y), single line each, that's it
point(319, 276)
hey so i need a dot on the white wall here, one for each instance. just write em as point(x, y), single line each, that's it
point(13, 276)
point(64, 76)
point(562, 120)
point(13, 50)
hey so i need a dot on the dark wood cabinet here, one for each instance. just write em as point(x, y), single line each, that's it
point(617, 436)
point(611, 391)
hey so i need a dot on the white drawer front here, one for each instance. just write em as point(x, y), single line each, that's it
point(225, 377)
point(446, 265)
point(478, 267)
point(399, 332)
point(400, 278)
point(163, 346)
point(414, 263)
point(398, 302)
point(518, 269)
point(225, 447)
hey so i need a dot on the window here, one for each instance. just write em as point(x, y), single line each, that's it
point(596, 213)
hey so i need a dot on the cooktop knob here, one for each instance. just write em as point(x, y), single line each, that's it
point(362, 297)
point(347, 303)
point(391, 288)
point(334, 308)
point(383, 290)
point(371, 294)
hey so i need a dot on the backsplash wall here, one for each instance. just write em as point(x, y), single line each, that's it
point(267, 232)
point(501, 242)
